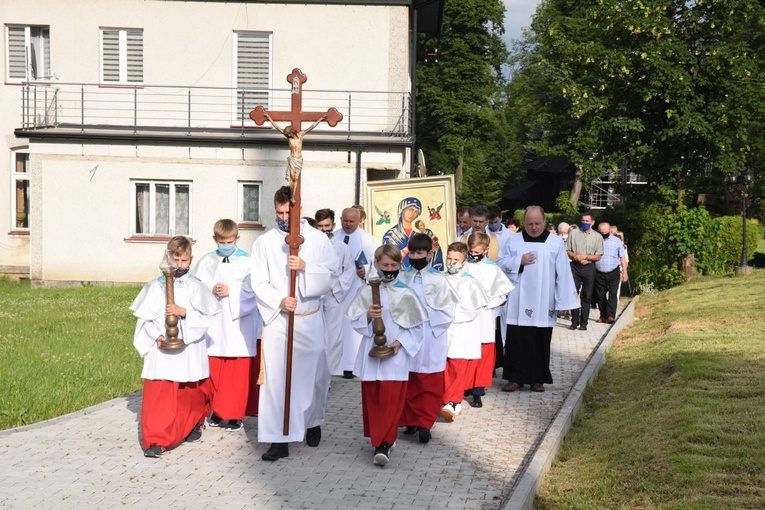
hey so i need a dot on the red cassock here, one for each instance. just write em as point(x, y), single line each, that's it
point(230, 378)
point(424, 395)
point(456, 379)
point(484, 367)
point(381, 404)
point(170, 410)
point(253, 397)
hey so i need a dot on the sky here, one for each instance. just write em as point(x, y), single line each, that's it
point(517, 16)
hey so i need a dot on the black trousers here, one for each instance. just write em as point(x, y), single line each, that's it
point(584, 278)
point(606, 289)
point(527, 355)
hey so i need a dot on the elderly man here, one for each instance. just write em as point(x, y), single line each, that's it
point(563, 230)
point(358, 241)
point(584, 248)
point(537, 263)
point(609, 271)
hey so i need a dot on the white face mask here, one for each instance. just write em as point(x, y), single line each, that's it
point(564, 237)
point(453, 267)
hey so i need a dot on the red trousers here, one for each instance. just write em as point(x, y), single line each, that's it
point(456, 379)
point(424, 394)
point(170, 410)
point(230, 378)
point(381, 406)
point(253, 396)
point(484, 369)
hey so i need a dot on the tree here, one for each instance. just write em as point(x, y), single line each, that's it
point(673, 88)
point(461, 124)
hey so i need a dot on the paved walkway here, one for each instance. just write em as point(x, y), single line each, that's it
point(92, 458)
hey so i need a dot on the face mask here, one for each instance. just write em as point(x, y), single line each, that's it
point(564, 237)
point(585, 226)
point(389, 276)
point(495, 227)
point(284, 225)
point(453, 267)
point(226, 249)
point(475, 258)
point(605, 236)
point(419, 264)
point(181, 271)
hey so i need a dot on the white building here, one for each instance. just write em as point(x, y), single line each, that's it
point(126, 121)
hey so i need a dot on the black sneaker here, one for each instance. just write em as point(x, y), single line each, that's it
point(425, 435)
point(153, 452)
point(214, 420)
point(195, 435)
point(313, 436)
point(382, 454)
point(476, 402)
point(233, 425)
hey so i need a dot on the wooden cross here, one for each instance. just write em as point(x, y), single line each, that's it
point(296, 116)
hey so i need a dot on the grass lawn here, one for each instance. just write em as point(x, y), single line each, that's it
point(64, 349)
point(676, 417)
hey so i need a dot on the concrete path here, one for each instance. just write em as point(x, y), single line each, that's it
point(93, 459)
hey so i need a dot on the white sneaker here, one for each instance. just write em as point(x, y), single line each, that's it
point(448, 412)
point(457, 409)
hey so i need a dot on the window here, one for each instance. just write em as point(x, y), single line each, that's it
point(20, 192)
point(249, 202)
point(121, 56)
point(161, 208)
point(253, 72)
point(28, 53)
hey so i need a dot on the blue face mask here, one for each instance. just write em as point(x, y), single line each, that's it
point(284, 225)
point(585, 226)
point(495, 227)
point(226, 250)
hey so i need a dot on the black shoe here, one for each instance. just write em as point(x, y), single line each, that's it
point(537, 387)
point(572, 326)
point(476, 402)
point(313, 436)
point(214, 420)
point(583, 327)
point(233, 425)
point(468, 393)
point(154, 451)
point(382, 454)
point(348, 374)
point(409, 430)
point(276, 451)
point(425, 435)
point(196, 434)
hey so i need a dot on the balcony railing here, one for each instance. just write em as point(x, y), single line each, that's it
point(206, 109)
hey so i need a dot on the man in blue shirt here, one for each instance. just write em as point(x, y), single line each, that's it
point(609, 271)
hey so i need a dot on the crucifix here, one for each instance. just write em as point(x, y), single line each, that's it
point(294, 133)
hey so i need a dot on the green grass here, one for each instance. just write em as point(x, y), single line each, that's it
point(64, 349)
point(676, 417)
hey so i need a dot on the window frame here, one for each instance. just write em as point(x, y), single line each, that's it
point(29, 37)
point(15, 177)
point(152, 233)
point(122, 57)
point(236, 118)
point(241, 221)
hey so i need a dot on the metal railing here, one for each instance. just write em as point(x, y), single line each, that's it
point(205, 109)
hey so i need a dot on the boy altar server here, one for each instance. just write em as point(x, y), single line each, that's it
point(537, 262)
point(384, 380)
point(232, 338)
point(176, 391)
point(425, 389)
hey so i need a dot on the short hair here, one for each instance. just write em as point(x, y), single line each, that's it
point(495, 211)
point(179, 245)
point(283, 195)
point(323, 214)
point(588, 213)
point(562, 224)
point(477, 239)
point(463, 210)
point(514, 222)
point(538, 207)
point(389, 250)
point(479, 210)
point(310, 221)
point(362, 212)
point(225, 228)
point(420, 242)
point(458, 247)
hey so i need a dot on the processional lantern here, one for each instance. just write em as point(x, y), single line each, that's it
point(171, 342)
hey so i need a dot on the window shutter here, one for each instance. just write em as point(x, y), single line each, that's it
point(135, 56)
point(111, 56)
point(252, 71)
point(16, 53)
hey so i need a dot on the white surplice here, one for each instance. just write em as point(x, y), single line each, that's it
point(358, 241)
point(463, 340)
point(235, 332)
point(543, 287)
point(270, 278)
point(182, 365)
point(334, 307)
point(497, 286)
